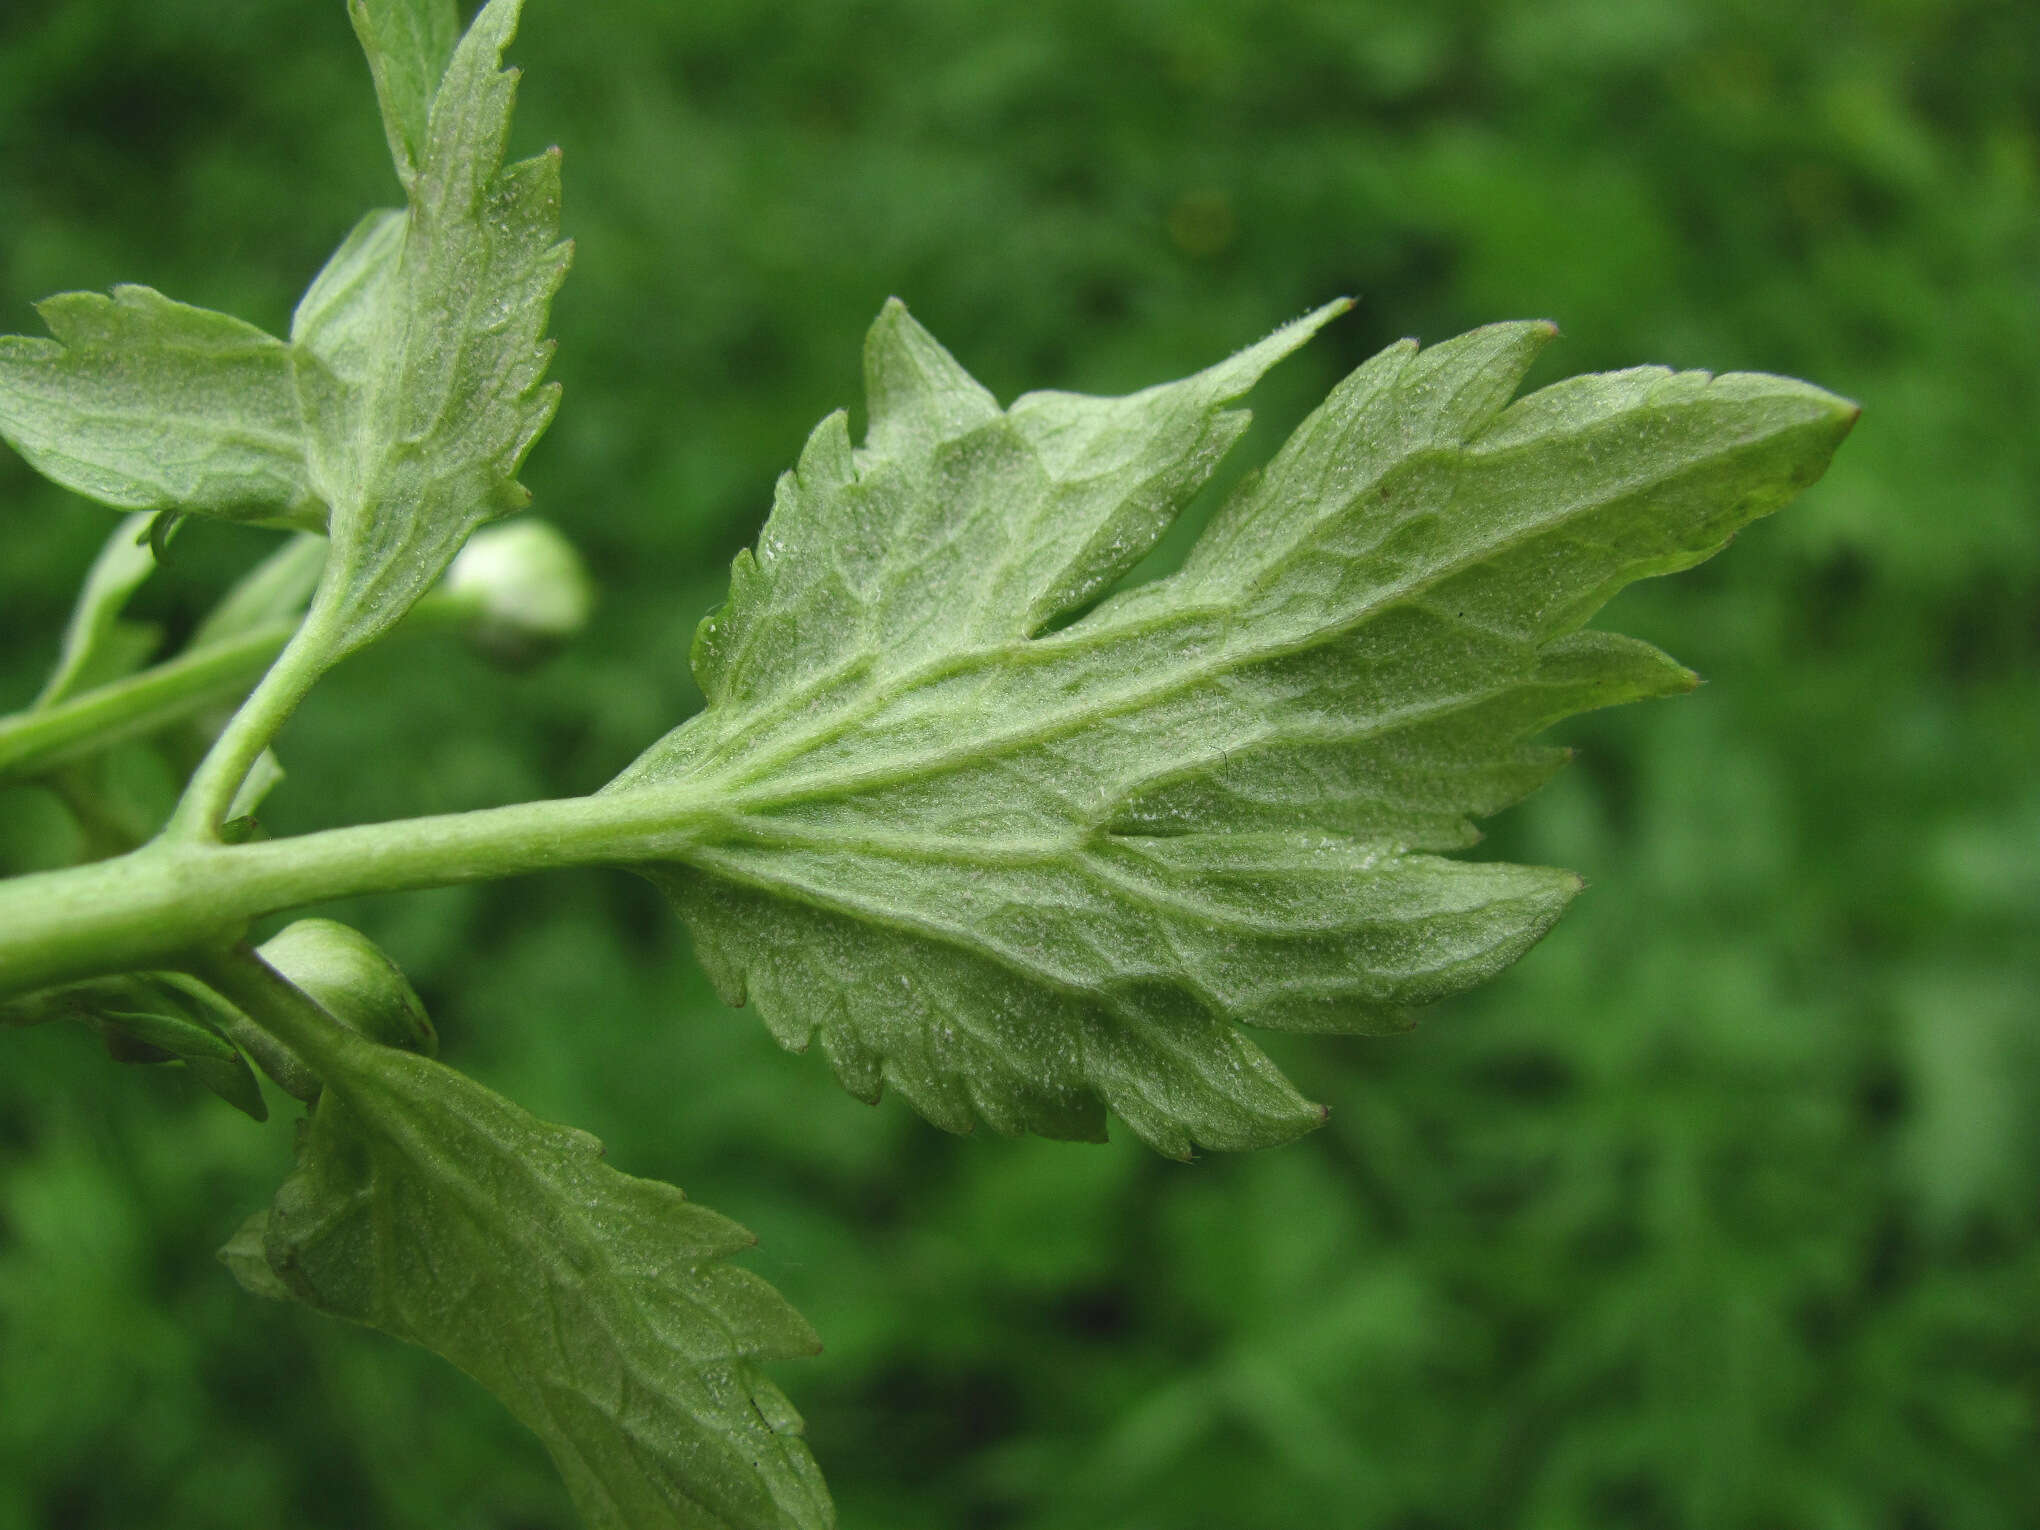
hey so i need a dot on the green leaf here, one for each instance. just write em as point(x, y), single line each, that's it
point(413, 385)
point(147, 404)
point(597, 1306)
point(421, 347)
point(408, 43)
point(246, 1255)
point(98, 645)
point(152, 1017)
point(1026, 874)
point(342, 318)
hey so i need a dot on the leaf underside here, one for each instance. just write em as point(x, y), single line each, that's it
point(412, 387)
point(144, 403)
point(1027, 873)
point(421, 346)
point(599, 1307)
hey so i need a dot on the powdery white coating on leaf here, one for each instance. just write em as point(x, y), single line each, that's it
point(1027, 875)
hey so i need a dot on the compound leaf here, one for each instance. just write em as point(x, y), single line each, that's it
point(421, 347)
point(599, 1307)
point(143, 403)
point(412, 388)
point(1026, 873)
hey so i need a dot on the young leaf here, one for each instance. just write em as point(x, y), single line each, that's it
point(1026, 874)
point(98, 645)
point(152, 1017)
point(408, 43)
point(421, 348)
point(341, 319)
point(597, 1306)
point(247, 1258)
point(144, 403)
point(397, 417)
point(213, 1061)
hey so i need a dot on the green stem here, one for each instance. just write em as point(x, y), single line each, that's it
point(211, 790)
point(140, 704)
point(171, 692)
point(154, 906)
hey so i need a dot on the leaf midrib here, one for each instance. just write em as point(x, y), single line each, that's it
point(483, 1207)
point(861, 708)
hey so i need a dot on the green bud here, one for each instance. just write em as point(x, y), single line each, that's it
point(530, 589)
point(348, 975)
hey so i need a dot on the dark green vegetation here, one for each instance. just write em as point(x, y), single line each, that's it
point(1718, 1210)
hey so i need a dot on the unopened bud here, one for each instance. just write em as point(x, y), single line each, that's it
point(530, 589)
point(348, 976)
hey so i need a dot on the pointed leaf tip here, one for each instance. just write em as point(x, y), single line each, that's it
point(917, 392)
point(1024, 873)
point(446, 301)
point(145, 403)
point(408, 44)
point(631, 1348)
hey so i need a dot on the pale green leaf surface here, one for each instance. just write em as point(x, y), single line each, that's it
point(98, 646)
point(408, 43)
point(1026, 874)
point(343, 317)
point(144, 403)
point(599, 1307)
point(247, 1257)
point(421, 347)
point(413, 386)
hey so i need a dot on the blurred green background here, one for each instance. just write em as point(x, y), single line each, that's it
point(1721, 1210)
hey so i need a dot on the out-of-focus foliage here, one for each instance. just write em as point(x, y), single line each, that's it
point(1721, 1209)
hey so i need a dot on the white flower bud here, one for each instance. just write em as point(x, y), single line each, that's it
point(530, 590)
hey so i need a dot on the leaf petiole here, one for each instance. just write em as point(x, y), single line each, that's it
point(209, 795)
point(153, 907)
point(138, 704)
